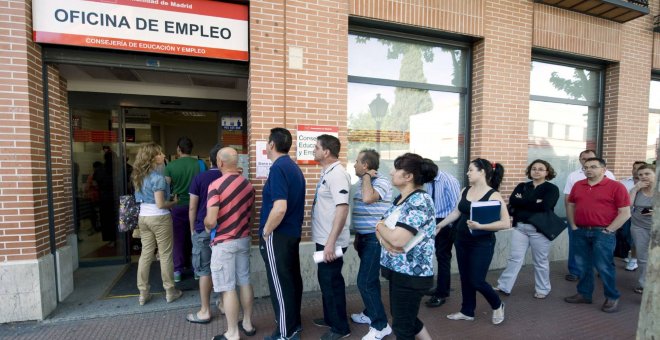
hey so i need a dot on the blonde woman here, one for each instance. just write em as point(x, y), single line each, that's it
point(155, 221)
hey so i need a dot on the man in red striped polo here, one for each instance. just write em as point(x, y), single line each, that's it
point(229, 209)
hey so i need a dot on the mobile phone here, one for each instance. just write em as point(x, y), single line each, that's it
point(646, 210)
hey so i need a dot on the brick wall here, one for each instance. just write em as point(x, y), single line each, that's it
point(627, 96)
point(656, 51)
point(282, 96)
point(23, 201)
point(500, 88)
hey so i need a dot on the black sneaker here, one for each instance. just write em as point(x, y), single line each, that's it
point(330, 335)
point(435, 301)
point(320, 322)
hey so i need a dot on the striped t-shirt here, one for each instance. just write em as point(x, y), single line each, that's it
point(365, 216)
point(234, 197)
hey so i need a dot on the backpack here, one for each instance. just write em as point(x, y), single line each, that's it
point(129, 210)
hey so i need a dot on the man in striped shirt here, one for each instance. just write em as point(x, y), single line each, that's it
point(228, 211)
point(445, 191)
point(372, 198)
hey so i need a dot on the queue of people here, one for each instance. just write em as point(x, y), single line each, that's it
point(396, 237)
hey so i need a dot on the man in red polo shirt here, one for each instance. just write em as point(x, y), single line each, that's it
point(597, 207)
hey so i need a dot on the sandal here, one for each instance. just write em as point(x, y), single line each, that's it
point(639, 290)
point(499, 290)
point(245, 331)
point(540, 296)
point(193, 318)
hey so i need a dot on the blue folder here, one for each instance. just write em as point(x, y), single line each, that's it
point(485, 212)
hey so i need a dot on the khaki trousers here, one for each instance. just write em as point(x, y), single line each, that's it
point(155, 231)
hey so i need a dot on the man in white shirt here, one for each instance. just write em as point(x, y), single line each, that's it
point(330, 230)
point(573, 177)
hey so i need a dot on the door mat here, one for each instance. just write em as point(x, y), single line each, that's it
point(125, 285)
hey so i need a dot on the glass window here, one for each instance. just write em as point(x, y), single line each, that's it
point(653, 135)
point(406, 96)
point(563, 117)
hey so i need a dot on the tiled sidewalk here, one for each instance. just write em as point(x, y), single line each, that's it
point(526, 317)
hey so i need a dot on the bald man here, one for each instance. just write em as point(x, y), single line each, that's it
point(228, 212)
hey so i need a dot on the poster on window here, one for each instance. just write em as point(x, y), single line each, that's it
point(232, 123)
point(307, 135)
point(263, 163)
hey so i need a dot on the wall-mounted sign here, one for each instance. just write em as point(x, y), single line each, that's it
point(307, 140)
point(232, 123)
point(199, 28)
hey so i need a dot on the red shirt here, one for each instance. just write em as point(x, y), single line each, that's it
point(234, 196)
point(598, 205)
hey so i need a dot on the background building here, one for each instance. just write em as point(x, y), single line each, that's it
point(506, 80)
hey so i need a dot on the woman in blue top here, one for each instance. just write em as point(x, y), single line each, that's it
point(406, 234)
point(475, 252)
point(155, 221)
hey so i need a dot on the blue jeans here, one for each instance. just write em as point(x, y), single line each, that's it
point(333, 292)
point(593, 248)
point(573, 268)
point(368, 281)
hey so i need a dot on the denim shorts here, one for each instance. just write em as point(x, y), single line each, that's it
point(230, 264)
point(201, 253)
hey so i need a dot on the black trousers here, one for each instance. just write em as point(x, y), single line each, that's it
point(406, 294)
point(444, 241)
point(333, 291)
point(282, 258)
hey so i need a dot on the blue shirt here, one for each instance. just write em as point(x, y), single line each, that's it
point(200, 188)
point(154, 181)
point(445, 192)
point(285, 181)
point(365, 216)
point(418, 216)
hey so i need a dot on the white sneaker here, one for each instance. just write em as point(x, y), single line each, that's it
point(632, 265)
point(498, 315)
point(361, 318)
point(460, 316)
point(375, 334)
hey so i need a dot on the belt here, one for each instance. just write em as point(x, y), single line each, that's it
point(590, 227)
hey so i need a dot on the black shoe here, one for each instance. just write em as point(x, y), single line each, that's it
point(320, 322)
point(577, 298)
point(430, 292)
point(330, 335)
point(571, 277)
point(610, 305)
point(435, 301)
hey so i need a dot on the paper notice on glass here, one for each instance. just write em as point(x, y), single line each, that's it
point(318, 255)
point(263, 163)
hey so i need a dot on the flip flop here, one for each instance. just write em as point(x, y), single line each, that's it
point(192, 318)
point(245, 331)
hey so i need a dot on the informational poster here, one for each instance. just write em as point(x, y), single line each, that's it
point(263, 163)
point(232, 123)
point(198, 28)
point(306, 142)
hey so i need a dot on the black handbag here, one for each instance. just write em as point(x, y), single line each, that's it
point(548, 224)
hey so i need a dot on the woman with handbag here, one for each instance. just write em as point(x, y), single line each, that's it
point(529, 198)
point(474, 250)
point(641, 196)
point(155, 221)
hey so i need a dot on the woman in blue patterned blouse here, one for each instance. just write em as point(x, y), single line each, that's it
point(406, 233)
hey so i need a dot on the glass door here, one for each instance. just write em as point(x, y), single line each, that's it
point(100, 177)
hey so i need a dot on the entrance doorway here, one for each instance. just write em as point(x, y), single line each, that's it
point(108, 128)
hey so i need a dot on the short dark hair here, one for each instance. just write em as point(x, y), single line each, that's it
point(213, 154)
point(587, 151)
point(597, 159)
point(422, 169)
point(185, 144)
point(330, 143)
point(647, 166)
point(371, 157)
point(639, 162)
point(550, 170)
point(281, 138)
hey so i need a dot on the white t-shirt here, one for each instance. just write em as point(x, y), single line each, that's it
point(332, 190)
point(578, 175)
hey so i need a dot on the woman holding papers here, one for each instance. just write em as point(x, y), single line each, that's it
point(474, 245)
point(406, 234)
point(528, 198)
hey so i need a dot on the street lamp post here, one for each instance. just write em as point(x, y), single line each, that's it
point(378, 108)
